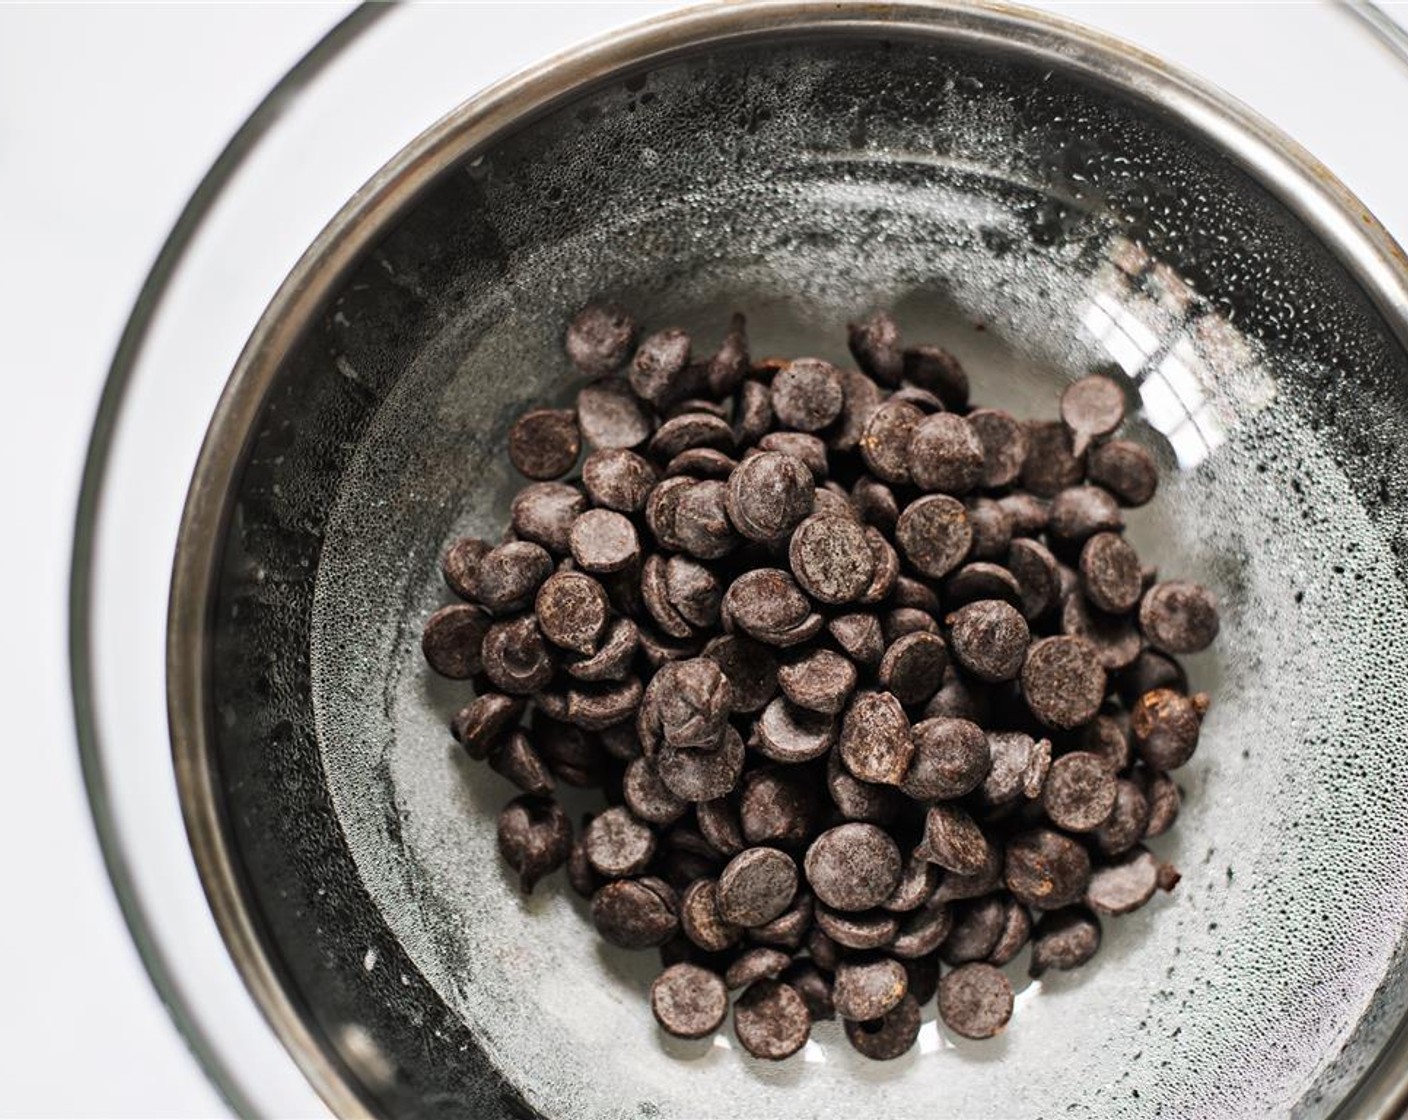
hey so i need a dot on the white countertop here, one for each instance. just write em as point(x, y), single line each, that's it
point(109, 116)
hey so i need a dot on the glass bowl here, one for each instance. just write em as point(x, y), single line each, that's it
point(1032, 196)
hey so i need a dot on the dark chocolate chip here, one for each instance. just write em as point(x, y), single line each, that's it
point(975, 1001)
point(599, 338)
point(1063, 682)
point(453, 640)
point(934, 535)
point(1045, 869)
point(771, 1020)
point(535, 837)
point(636, 913)
point(689, 1001)
point(1179, 616)
point(1064, 939)
point(945, 455)
point(951, 759)
point(756, 886)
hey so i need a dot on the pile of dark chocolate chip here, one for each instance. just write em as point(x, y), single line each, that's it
point(876, 690)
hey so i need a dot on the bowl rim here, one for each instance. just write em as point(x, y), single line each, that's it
point(1289, 172)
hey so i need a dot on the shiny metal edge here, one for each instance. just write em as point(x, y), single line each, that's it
point(1299, 181)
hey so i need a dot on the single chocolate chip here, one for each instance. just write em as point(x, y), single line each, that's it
point(975, 1001)
point(659, 649)
point(922, 931)
point(1063, 682)
point(1148, 671)
point(922, 399)
point(509, 576)
point(544, 512)
point(1110, 573)
point(935, 369)
point(729, 365)
point(989, 638)
point(1114, 638)
point(868, 989)
point(701, 921)
point(572, 611)
point(853, 866)
point(691, 430)
point(453, 640)
point(636, 913)
point(618, 844)
point(887, 567)
point(1079, 794)
point(752, 414)
point(952, 888)
point(460, 566)
point(1016, 932)
point(787, 733)
point(1051, 464)
point(945, 455)
point(1124, 885)
point(769, 495)
point(648, 797)
point(659, 371)
point(1003, 439)
point(884, 442)
point(693, 590)
point(697, 775)
point(875, 345)
point(807, 394)
point(610, 416)
point(982, 580)
point(875, 743)
point(1108, 737)
point(1164, 800)
point(771, 1020)
point(819, 681)
point(1078, 513)
point(777, 805)
point(1125, 469)
point(580, 877)
point(874, 929)
point(618, 479)
point(544, 444)
point(1179, 616)
point(951, 759)
point(1027, 513)
point(763, 963)
point(1019, 767)
point(953, 841)
point(766, 604)
point(913, 668)
point(599, 338)
point(992, 529)
point(1091, 407)
point(720, 825)
point(857, 800)
point(907, 620)
point(535, 838)
point(831, 558)
point(831, 500)
point(612, 660)
point(757, 885)
point(1063, 940)
point(918, 880)
point(800, 445)
point(603, 540)
point(516, 659)
point(688, 702)
point(891, 1036)
point(750, 667)
point(861, 397)
point(860, 635)
point(958, 698)
point(788, 929)
point(1045, 869)
point(597, 707)
point(977, 927)
point(934, 535)
point(517, 761)
point(488, 716)
point(655, 597)
point(875, 502)
point(1165, 725)
point(916, 593)
point(689, 1001)
point(701, 462)
point(811, 984)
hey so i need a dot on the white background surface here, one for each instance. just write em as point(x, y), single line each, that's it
point(108, 118)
